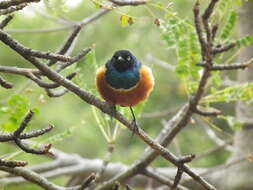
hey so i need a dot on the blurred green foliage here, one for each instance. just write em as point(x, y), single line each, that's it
point(174, 41)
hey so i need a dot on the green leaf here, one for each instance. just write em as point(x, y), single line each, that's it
point(180, 35)
point(238, 3)
point(90, 59)
point(244, 42)
point(242, 92)
point(18, 107)
point(60, 136)
point(229, 26)
point(182, 70)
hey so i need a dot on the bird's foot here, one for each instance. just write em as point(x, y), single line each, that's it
point(135, 126)
point(113, 109)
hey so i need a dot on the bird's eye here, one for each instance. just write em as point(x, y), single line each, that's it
point(119, 58)
point(128, 58)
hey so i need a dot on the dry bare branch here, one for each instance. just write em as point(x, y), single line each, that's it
point(6, 21)
point(8, 40)
point(8, 3)
point(5, 84)
point(129, 2)
point(12, 9)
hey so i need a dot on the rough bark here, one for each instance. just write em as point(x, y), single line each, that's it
point(239, 177)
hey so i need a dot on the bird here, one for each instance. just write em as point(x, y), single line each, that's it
point(124, 81)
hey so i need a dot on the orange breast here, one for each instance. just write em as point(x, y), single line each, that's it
point(123, 97)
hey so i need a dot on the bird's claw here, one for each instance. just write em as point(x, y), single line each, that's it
point(135, 126)
point(113, 109)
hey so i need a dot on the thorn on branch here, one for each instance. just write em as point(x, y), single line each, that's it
point(6, 21)
point(5, 84)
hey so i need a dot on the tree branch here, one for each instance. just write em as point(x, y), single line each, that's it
point(8, 3)
point(5, 84)
point(12, 9)
point(6, 21)
point(129, 2)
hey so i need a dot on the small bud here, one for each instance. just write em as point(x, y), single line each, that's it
point(157, 22)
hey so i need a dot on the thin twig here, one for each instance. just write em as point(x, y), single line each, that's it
point(8, 3)
point(70, 40)
point(177, 178)
point(6, 21)
point(129, 2)
point(56, 94)
point(162, 179)
point(76, 59)
point(221, 67)
point(12, 164)
point(207, 113)
point(224, 49)
point(13, 9)
point(82, 23)
point(5, 84)
point(88, 181)
point(6, 38)
point(10, 137)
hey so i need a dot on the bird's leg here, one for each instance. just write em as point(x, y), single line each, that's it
point(134, 122)
point(113, 109)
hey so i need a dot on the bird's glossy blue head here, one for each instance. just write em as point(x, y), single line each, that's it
point(123, 70)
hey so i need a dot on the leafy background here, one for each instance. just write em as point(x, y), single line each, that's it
point(77, 127)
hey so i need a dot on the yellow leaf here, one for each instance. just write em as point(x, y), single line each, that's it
point(126, 20)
